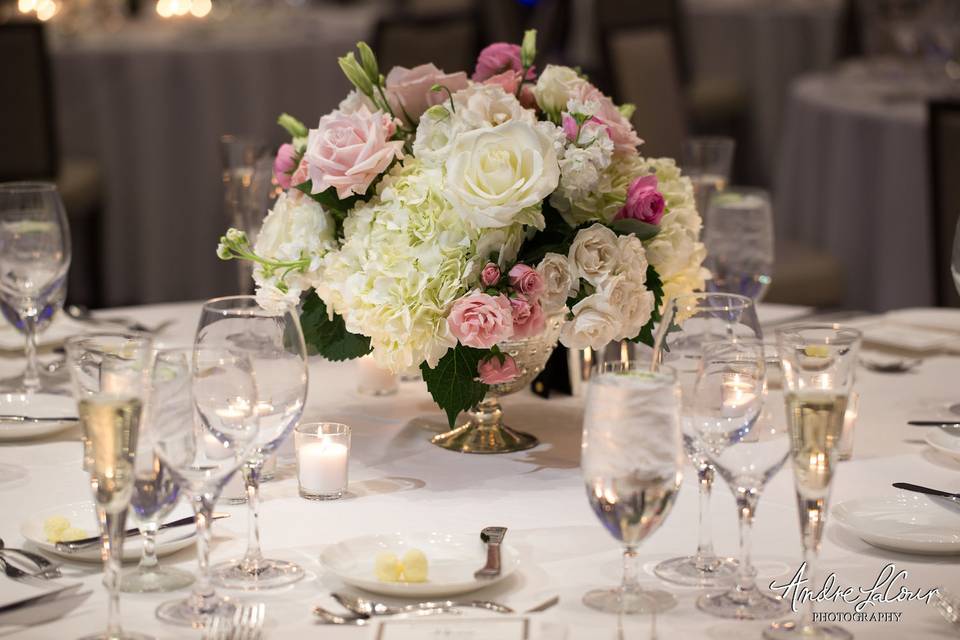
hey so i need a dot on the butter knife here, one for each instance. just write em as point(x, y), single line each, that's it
point(906, 486)
point(85, 543)
point(37, 419)
point(492, 536)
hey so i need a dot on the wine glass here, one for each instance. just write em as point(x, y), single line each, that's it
point(748, 449)
point(247, 191)
point(34, 259)
point(689, 322)
point(110, 374)
point(631, 459)
point(819, 363)
point(707, 160)
point(274, 344)
point(205, 422)
point(738, 234)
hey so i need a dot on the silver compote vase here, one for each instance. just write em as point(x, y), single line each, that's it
point(485, 431)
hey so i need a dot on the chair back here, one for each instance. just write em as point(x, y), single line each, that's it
point(449, 41)
point(614, 15)
point(28, 147)
point(944, 153)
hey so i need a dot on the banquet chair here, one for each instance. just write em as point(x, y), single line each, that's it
point(29, 149)
point(449, 40)
point(944, 163)
point(506, 21)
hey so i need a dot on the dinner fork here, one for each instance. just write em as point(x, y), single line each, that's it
point(50, 569)
point(16, 573)
point(246, 624)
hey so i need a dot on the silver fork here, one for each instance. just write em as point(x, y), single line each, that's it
point(246, 624)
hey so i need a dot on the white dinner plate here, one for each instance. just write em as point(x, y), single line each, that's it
point(908, 522)
point(451, 558)
point(82, 514)
point(944, 442)
point(36, 405)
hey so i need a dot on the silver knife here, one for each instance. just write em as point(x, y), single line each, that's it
point(84, 543)
point(906, 486)
point(16, 418)
point(492, 536)
point(934, 423)
point(49, 595)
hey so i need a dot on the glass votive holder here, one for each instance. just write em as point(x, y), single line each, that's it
point(845, 448)
point(323, 455)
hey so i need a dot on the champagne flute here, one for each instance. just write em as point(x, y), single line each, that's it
point(203, 410)
point(273, 342)
point(748, 449)
point(631, 459)
point(738, 234)
point(707, 161)
point(34, 259)
point(110, 378)
point(819, 363)
point(689, 322)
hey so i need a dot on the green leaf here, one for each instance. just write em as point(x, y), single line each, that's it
point(328, 198)
point(654, 284)
point(643, 230)
point(327, 337)
point(453, 383)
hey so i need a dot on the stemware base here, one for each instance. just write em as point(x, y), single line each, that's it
point(155, 580)
point(791, 630)
point(742, 605)
point(268, 574)
point(617, 600)
point(124, 635)
point(185, 613)
point(687, 571)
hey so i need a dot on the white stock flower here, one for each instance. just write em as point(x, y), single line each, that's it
point(582, 107)
point(558, 282)
point(274, 300)
point(555, 86)
point(594, 324)
point(555, 134)
point(496, 177)
point(488, 105)
point(594, 254)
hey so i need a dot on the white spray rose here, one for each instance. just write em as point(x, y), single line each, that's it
point(558, 282)
point(594, 254)
point(488, 105)
point(555, 86)
point(594, 324)
point(354, 101)
point(634, 258)
point(632, 302)
point(436, 132)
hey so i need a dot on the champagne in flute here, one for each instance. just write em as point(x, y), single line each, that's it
point(110, 423)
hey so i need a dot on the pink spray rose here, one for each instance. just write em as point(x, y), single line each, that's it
point(490, 275)
point(348, 151)
point(528, 319)
point(526, 280)
point(284, 164)
point(301, 175)
point(644, 202)
point(625, 139)
point(497, 58)
point(409, 90)
point(492, 371)
point(481, 321)
point(508, 81)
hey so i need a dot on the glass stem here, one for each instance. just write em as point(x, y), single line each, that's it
point(148, 559)
point(706, 559)
point(31, 375)
point(746, 574)
point(810, 557)
point(631, 569)
point(203, 589)
point(111, 546)
point(253, 558)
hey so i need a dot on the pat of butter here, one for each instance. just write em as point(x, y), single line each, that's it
point(386, 567)
point(414, 566)
point(54, 526)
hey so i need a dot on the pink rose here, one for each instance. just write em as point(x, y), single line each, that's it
point(284, 164)
point(497, 58)
point(492, 371)
point(409, 90)
point(490, 275)
point(348, 151)
point(528, 319)
point(527, 281)
point(508, 81)
point(481, 321)
point(644, 202)
point(625, 139)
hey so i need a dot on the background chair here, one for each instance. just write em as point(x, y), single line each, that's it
point(944, 149)
point(449, 40)
point(29, 150)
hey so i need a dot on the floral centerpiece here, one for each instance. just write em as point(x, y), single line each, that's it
point(433, 217)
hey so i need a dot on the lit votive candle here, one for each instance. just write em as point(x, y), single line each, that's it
point(323, 454)
point(845, 447)
point(374, 380)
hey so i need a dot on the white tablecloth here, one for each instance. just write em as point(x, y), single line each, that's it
point(151, 102)
point(401, 482)
point(853, 180)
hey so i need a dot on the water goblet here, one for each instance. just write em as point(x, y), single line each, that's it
point(707, 160)
point(110, 374)
point(738, 234)
point(273, 343)
point(689, 322)
point(631, 460)
point(819, 363)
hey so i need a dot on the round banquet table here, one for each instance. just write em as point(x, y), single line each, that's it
point(150, 102)
point(399, 482)
point(852, 179)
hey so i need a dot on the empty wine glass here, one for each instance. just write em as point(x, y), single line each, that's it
point(203, 408)
point(689, 322)
point(748, 449)
point(738, 234)
point(631, 459)
point(34, 259)
point(819, 363)
point(707, 160)
point(273, 342)
point(110, 374)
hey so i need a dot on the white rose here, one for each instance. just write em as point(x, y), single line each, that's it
point(488, 105)
point(632, 301)
point(436, 133)
point(594, 324)
point(558, 282)
point(633, 258)
point(594, 254)
point(556, 85)
point(492, 175)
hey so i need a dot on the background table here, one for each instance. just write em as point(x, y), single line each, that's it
point(401, 482)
